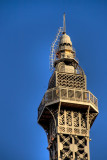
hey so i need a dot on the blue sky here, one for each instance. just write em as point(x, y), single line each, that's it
point(27, 29)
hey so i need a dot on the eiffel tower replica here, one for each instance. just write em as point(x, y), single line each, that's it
point(67, 110)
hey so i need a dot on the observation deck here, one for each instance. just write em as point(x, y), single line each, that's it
point(69, 97)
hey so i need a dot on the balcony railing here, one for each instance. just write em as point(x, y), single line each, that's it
point(67, 94)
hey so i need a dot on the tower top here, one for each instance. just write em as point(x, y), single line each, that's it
point(61, 47)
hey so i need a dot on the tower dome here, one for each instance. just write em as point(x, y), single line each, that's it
point(65, 49)
point(65, 39)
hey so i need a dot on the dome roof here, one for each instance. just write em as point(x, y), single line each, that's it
point(65, 39)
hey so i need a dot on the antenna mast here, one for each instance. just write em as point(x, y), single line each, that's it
point(64, 25)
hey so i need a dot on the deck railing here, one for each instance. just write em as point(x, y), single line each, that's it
point(61, 93)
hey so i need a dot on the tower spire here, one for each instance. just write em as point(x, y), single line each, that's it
point(64, 25)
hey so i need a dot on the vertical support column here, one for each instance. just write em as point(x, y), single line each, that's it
point(58, 138)
point(88, 127)
point(65, 120)
point(72, 122)
point(59, 107)
point(73, 147)
point(58, 146)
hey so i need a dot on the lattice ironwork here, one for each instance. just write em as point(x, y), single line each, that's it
point(73, 122)
point(73, 147)
point(76, 119)
point(72, 141)
point(92, 117)
point(67, 79)
point(61, 129)
point(82, 148)
point(61, 118)
point(71, 80)
point(65, 150)
point(68, 118)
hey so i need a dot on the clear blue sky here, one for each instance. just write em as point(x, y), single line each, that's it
point(27, 29)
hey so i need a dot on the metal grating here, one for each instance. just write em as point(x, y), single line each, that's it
point(71, 80)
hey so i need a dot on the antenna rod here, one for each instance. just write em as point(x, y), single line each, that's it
point(64, 25)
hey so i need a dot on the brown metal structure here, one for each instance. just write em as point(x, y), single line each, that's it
point(67, 110)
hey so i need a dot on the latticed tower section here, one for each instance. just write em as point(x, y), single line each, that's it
point(67, 110)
